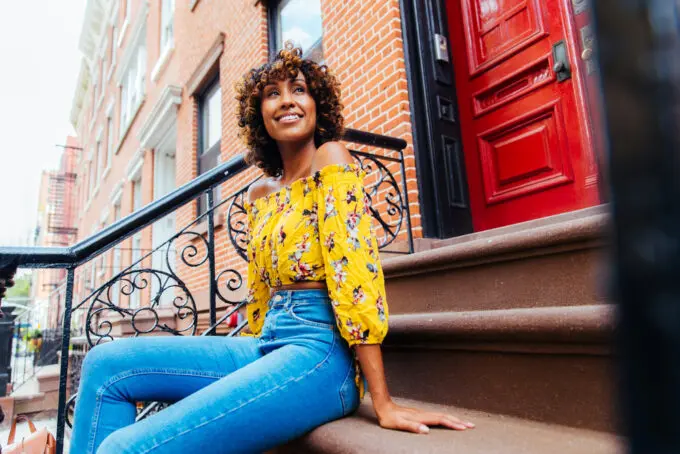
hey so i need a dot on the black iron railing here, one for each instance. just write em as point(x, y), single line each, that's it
point(152, 295)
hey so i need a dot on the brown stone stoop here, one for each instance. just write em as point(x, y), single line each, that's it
point(507, 328)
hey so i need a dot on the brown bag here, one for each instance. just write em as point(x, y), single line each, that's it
point(38, 442)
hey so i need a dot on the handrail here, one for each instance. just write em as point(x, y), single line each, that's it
point(63, 257)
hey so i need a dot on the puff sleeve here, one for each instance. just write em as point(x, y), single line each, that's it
point(258, 288)
point(354, 276)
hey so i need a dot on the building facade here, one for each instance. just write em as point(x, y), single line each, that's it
point(492, 98)
point(56, 227)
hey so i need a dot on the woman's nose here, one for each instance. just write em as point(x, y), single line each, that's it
point(286, 98)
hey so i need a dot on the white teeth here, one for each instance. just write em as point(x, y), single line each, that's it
point(289, 117)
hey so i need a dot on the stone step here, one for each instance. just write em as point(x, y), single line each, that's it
point(550, 364)
point(48, 378)
point(556, 261)
point(29, 403)
point(494, 434)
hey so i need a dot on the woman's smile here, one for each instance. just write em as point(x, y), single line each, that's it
point(289, 118)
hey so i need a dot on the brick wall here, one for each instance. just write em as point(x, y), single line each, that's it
point(362, 44)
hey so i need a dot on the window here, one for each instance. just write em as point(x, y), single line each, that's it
point(94, 100)
point(100, 160)
point(136, 238)
point(109, 141)
point(132, 87)
point(115, 266)
point(210, 120)
point(93, 275)
point(104, 73)
point(101, 272)
point(122, 125)
point(114, 44)
point(92, 278)
point(95, 95)
point(167, 21)
point(300, 22)
point(91, 178)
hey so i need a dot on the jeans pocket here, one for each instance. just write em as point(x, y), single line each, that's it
point(316, 315)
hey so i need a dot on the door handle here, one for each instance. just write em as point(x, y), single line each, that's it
point(561, 64)
point(587, 54)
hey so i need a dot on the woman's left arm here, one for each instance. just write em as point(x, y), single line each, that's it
point(356, 286)
point(393, 416)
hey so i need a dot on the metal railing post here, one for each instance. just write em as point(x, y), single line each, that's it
point(63, 367)
point(211, 256)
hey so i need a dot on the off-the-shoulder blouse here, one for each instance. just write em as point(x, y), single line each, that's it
point(319, 229)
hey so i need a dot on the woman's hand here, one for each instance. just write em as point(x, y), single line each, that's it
point(393, 416)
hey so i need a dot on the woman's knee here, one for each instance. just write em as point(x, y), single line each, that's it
point(113, 444)
point(104, 360)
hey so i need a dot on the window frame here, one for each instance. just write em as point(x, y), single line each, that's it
point(215, 150)
point(91, 175)
point(116, 259)
point(100, 161)
point(274, 10)
point(132, 87)
point(109, 141)
point(166, 42)
point(136, 240)
point(114, 45)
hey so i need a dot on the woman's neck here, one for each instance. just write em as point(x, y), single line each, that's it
point(297, 161)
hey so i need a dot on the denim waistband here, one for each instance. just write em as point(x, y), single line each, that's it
point(283, 298)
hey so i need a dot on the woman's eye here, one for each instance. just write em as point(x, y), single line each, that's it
point(299, 90)
point(272, 93)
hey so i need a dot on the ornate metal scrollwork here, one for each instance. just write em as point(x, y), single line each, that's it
point(167, 291)
point(144, 319)
point(237, 223)
point(382, 183)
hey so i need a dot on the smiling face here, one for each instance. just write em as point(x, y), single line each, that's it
point(289, 110)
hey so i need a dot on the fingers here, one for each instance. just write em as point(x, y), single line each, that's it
point(441, 419)
point(412, 426)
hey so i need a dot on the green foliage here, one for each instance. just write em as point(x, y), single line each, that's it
point(21, 288)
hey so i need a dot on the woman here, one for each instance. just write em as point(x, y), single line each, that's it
point(316, 302)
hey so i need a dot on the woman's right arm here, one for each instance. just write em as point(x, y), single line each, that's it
point(258, 289)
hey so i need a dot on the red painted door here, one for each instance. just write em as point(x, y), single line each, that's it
point(526, 138)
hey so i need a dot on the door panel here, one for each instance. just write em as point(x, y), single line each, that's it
point(498, 28)
point(525, 155)
point(526, 147)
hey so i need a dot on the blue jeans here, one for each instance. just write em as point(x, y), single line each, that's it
point(236, 395)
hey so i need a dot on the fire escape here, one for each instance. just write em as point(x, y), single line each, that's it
point(61, 200)
point(61, 215)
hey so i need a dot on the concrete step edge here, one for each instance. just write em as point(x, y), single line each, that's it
point(564, 324)
point(571, 234)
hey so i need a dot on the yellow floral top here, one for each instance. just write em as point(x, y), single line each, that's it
point(319, 229)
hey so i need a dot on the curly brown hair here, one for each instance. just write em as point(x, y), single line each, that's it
point(323, 87)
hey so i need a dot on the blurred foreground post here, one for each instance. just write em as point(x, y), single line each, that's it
point(639, 54)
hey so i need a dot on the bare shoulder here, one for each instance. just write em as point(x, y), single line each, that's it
point(258, 189)
point(331, 153)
